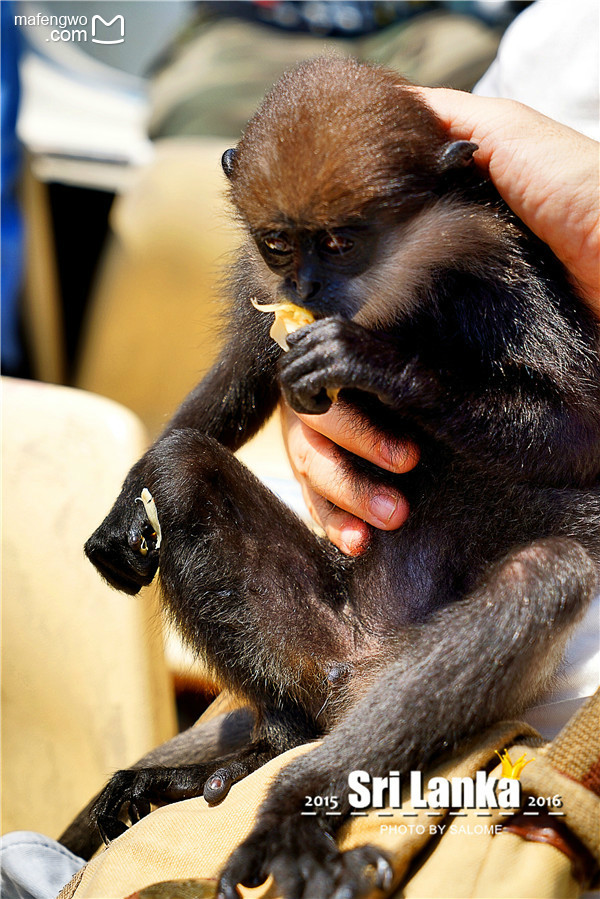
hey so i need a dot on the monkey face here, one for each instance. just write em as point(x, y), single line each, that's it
point(327, 182)
point(314, 268)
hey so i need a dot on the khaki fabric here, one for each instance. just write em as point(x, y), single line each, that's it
point(185, 840)
point(156, 296)
point(576, 749)
point(468, 862)
point(484, 867)
point(435, 855)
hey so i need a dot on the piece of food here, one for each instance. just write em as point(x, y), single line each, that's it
point(288, 318)
point(147, 501)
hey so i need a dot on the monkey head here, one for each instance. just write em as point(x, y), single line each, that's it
point(322, 178)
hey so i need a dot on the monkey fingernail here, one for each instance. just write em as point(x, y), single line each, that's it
point(382, 507)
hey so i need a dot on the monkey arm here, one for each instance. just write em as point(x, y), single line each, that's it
point(545, 439)
point(230, 404)
point(240, 392)
point(495, 423)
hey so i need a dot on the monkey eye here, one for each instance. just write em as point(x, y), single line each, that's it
point(336, 244)
point(277, 243)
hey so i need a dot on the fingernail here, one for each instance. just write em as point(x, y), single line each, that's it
point(383, 507)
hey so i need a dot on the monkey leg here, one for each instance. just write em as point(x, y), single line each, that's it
point(251, 588)
point(473, 663)
point(258, 596)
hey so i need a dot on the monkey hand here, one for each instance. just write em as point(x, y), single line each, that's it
point(124, 548)
point(301, 854)
point(326, 357)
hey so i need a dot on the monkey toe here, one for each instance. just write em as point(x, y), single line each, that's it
point(121, 567)
point(219, 783)
point(120, 797)
point(361, 871)
point(130, 794)
point(142, 540)
point(248, 865)
point(138, 809)
point(110, 828)
point(217, 786)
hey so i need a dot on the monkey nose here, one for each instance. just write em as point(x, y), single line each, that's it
point(305, 288)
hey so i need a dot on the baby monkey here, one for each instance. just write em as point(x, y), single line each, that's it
point(441, 319)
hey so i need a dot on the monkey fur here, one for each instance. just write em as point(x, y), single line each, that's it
point(444, 320)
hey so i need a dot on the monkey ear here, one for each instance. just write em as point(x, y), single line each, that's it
point(227, 160)
point(456, 155)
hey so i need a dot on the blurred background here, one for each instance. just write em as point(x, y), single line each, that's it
point(114, 230)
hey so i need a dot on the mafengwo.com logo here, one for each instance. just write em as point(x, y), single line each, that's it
point(78, 29)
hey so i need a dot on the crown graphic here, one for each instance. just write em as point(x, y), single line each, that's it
point(508, 768)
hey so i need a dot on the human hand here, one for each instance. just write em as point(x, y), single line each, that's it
point(545, 171)
point(345, 506)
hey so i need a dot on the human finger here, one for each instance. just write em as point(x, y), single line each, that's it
point(545, 171)
point(346, 531)
point(346, 428)
point(318, 464)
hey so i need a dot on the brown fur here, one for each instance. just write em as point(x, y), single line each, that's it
point(333, 182)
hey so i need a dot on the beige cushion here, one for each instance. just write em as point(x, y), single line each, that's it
point(84, 683)
point(153, 325)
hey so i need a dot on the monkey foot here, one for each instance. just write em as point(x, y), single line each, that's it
point(302, 856)
point(131, 794)
point(125, 548)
